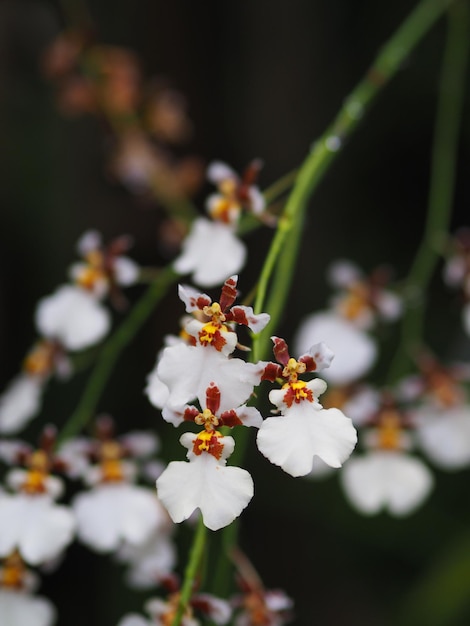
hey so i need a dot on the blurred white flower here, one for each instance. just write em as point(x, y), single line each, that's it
point(355, 351)
point(20, 608)
point(210, 253)
point(35, 526)
point(73, 317)
point(444, 434)
point(389, 480)
point(113, 513)
point(20, 402)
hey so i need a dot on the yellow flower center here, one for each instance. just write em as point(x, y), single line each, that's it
point(37, 474)
point(40, 359)
point(207, 419)
point(12, 573)
point(111, 464)
point(355, 302)
point(390, 430)
point(293, 369)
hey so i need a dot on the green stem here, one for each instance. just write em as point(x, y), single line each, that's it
point(283, 184)
point(191, 571)
point(111, 351)
point(442, 185)
point(330, 144)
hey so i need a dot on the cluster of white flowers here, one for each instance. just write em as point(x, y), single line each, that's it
point(203, 369)
point(72, 318)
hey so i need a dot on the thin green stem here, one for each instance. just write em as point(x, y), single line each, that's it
point(442, 185)
point(111, 351)
point(191, 571)
point(330, 144)
point(280, 186)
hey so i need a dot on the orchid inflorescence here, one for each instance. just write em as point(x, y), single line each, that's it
point(211, 377)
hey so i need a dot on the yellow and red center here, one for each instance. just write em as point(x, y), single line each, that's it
point(297, 391)
point(211, 335)
point(208, 441)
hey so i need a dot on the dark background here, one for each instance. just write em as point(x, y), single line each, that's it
point(263, 79)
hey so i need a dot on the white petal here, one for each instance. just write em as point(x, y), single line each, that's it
point(355, 352)
point(257, 201)
point(19, 403)
point(113, 513)
point(292, 440)
point(362, 405)
point(190, 297)
point(188, 371)
point(444, 435)
point(220, 492)
point(390, 305)
point(72, 316)
point(321, 354)
point(386, 480)
point(140, 443)
point(249, 416)
point(89, 242)
point(342, 273)
point(34, 525)
point(466, 318)
point(454, 271)
point(218, 171)
point(22, 609)
point(126, 271)
point(211, 252)
point(156, 390)
point(132, 619)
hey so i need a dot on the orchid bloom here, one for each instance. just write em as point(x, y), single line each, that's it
point(387, 476)
point(220, 492)
point(185, 371)
point(303, 429)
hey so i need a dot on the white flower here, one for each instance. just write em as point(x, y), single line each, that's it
point(305, 430)
point(73, 317)
point(211, 252)
point(205, 482)
point(103, 266)
point(363, 298)
point(235, 194)
point(20, 402)
point(444, 435)
point(355, 352)
point(386, 479)
point(187, 372)
point(34, 525)
point(19, 608)
point(112, 513)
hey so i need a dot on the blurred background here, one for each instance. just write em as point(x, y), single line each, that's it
point(260, 79)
